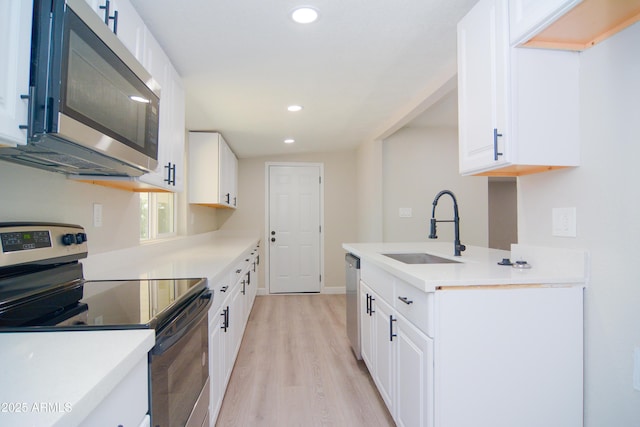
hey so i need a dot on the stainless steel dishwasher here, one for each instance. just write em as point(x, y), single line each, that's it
point(352, 268)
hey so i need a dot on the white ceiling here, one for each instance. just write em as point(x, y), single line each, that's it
point(359, 70)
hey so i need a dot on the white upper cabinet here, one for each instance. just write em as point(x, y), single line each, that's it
point(529, 17)
point(130, 28)
point(170, 170)
point(518, 107)
point(212, 171)
point(124, 21)
point(15, 42)
point(483, 85)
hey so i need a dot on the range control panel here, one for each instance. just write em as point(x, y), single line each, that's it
point(41, 243)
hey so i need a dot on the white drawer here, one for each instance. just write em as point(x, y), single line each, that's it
point(221, 289)
point(378, 280)
point(416, 305)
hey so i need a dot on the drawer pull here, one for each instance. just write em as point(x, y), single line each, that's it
point(405, 300)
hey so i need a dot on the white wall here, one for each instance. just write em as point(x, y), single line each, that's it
point(29, 194)
point(417, 164)
point(369, 191)
point(339, 206)
point(503, 213)
point(604, 190)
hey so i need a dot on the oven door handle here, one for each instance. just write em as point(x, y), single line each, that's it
point(180, 326)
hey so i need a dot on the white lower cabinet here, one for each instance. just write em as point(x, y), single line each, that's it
point(233, 298)
point(474, 356)
point(399, 358)
point(127, 404)
point(384, 357)
point(414, 376)
point(217, 323)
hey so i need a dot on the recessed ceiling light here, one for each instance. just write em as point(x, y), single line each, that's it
point(304, 15)
point(289, 141)
point(294, 108)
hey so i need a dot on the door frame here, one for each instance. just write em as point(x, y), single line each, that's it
point(267, 186)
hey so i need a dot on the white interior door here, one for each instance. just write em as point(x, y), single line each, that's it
point(294, 228)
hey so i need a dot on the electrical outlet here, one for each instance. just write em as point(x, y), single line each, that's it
point(405, 212)
point(97, 215)
point(563, 222)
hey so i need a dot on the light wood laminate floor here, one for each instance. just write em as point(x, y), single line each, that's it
point(296, 368)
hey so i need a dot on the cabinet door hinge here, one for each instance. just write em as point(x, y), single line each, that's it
point(319, 180)
point(319, 229)
point(320, 278)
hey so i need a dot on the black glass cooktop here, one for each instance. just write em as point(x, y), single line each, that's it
point(137, 302)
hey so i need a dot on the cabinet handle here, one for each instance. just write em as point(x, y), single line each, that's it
point(224, 288)
point(106, 7)
point(30, 112)
point(224, 320)
point(367, 303)
point(391, 334)
point(495, 144)
point(228, 197)
point(235, 200)
point(115, 22)
point(108, 17)
point(371, 310)
point(405, 300)
point(171, 174)
point(244, 283)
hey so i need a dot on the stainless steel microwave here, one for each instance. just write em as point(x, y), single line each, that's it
point(93, 108)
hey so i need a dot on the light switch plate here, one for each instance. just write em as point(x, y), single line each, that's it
point(563, 222)
point(405, 212)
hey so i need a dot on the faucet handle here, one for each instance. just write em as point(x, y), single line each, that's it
point(432, 234)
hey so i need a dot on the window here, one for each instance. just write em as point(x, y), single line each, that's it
point(157, 215)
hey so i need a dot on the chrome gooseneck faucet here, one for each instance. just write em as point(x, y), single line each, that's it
point(458, 247)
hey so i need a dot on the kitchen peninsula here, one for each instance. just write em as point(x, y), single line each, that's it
point(474, 342)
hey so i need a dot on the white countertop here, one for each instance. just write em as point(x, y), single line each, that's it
point(75, 370)
point(477, 266)
point(69, 373)
point(208, 255)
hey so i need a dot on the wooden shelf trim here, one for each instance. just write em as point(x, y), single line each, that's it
point(587, 24)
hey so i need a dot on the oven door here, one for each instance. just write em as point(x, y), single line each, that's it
point(180, 369)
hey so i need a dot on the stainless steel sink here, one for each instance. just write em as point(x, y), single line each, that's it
point(420, 258)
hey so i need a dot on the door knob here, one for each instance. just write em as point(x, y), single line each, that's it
point(273, 239)
point(273, 233)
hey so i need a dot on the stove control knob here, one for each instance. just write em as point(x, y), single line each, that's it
point(81, 238)
point(68, 239)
